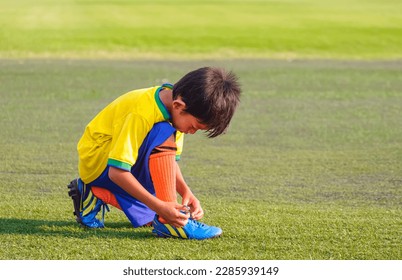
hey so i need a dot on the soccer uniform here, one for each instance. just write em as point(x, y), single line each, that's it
point(123, 135)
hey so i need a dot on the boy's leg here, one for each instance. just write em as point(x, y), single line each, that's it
point(162, 167)
point(106, 196)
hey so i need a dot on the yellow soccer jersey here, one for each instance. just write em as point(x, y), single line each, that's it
point(115, 135)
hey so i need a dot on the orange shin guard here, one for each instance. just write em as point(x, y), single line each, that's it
point(106, 196)
point(162, 166)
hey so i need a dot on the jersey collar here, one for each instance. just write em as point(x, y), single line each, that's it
point(158, 100)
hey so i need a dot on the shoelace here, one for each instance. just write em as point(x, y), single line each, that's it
point(196, 223)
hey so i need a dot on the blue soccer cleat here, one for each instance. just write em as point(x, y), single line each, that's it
point(192, 230)
point(86, 205)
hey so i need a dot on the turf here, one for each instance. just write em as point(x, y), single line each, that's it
point(310, 168)
point(349, 29)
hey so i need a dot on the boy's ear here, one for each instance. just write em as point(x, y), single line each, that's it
point(179, 104)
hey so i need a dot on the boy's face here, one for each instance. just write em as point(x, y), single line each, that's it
point(183, 121)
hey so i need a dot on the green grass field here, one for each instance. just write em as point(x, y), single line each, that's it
point(311, 167)
point(173, 29)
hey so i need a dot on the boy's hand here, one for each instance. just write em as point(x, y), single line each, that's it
point(191, 201)
point(170, 212)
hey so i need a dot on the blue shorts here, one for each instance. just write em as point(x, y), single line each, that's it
point(137, 212)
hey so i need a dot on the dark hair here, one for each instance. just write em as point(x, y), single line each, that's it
point(211, 95)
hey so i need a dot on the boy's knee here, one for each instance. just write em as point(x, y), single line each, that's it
point(169, 146)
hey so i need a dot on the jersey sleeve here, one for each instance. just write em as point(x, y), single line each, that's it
point(179, 144)
point(128, 135)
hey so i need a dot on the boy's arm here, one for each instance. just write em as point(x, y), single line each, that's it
point(168, 210)
point(187, 195)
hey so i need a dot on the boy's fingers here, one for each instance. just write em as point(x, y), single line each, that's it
point(184, 216)
point(182, 212)
point(185, 201)
point(181, 221)
point(183, 208)
point(198, 215)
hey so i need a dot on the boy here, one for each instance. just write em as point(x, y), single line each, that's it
point(128, 153)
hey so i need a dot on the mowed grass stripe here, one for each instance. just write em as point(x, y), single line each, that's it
point(357, 29)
